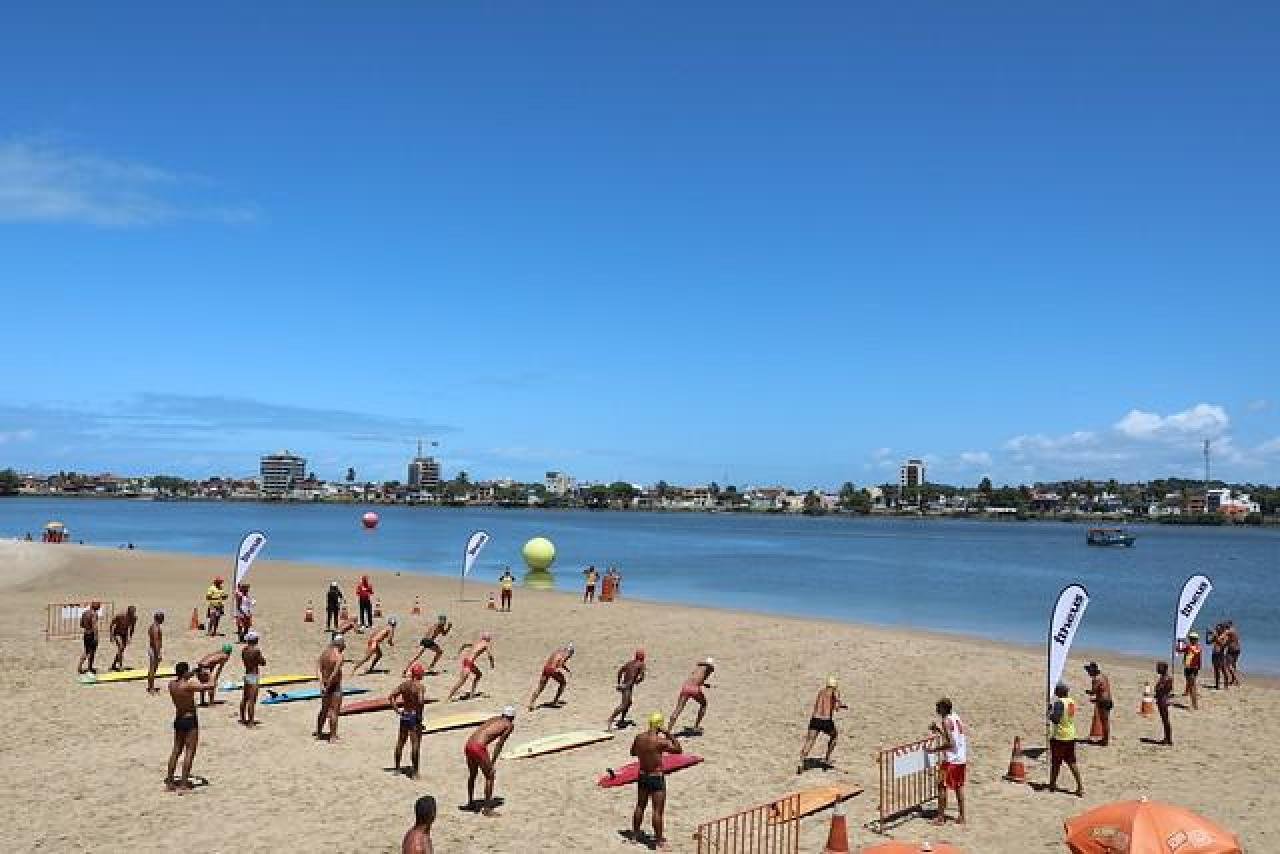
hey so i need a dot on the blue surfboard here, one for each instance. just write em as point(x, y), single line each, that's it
point(306, 694)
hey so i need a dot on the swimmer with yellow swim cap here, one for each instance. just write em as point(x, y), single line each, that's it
point(651, 783)
point(629, 676)
point(825, 705)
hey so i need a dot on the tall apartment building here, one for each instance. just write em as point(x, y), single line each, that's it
point(558, 483)
point(911, 474)
point(281, 471)
point(424, 472)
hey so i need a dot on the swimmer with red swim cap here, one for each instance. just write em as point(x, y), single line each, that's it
point(629, 676)
point(407, 702)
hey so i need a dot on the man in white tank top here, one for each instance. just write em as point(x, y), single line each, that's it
point(954, 747)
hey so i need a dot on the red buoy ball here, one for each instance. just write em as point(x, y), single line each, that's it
point(369, 520)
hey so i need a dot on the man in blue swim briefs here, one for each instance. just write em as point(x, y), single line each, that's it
point(407, 701)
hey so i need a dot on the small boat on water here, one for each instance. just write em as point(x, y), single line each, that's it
point(1109, 537)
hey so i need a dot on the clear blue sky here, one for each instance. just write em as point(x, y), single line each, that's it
point(763, 242)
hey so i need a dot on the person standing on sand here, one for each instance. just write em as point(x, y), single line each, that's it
point(244, 611)
point(693, 689)
point(418, 839)
point(332, 603)
point(1164, 690)
point(373, 646)
point(122, 626)
point(589, 592)
point(407, 702)
point(1062, 738)
point(1191, 657)
point(431, 641)
point(1218, 641)
point(155, 646)
point(209, 670)
point(364, 594)
point(825, 705)
point(651, 783)
point(556, 662)
point(89, 628)
point(955, 758)
point(467, 665)
point(1233, 653)
point(1100, 692)
point(253, 659)
point(329, 670)
point(629, 676)
point(506, 581)
point(216, 604)
point(186, 726)
point(479, 759)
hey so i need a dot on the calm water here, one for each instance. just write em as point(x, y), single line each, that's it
point(997, 580)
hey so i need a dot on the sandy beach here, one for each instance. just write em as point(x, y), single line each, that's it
point(85, 764)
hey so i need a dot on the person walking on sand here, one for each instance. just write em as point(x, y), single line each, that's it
point(468, 656)
point(89, 630)
point(431, 641)
point(121, 629)
point(589, 592)
point(693, 689)
point(651, 783)
point(215, 599)
point(1191, 657)
point(629, 676)
point(329, 670)
point(506, 582)
point(253, 659)
point(407, 702)
point(954, 747)
point(1100, 692)
point(418, 839)
point(373, 647)
point(1164, 691)
point(209, 670)
point(333, 599)
point(364, 594)
point(551, 670)
point(825, 705)
point(494, 731)
point(1062, 738)
point(155, 647)
point(186, 726)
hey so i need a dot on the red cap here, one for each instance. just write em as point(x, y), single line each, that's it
point(639, 655)
point(217, 579)
point(417, 670)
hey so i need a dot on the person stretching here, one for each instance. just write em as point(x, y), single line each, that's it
point(822, 721)
point(374, 646)
point(253, 659)
point(431, 641)
point(418, 839)
point(693, 689)
point(407, 702)
point(122, 626)
point(493, 731)
point(551, 670)
point(208, 671)
point(651, 784)
point(629, 676)
point(469, 654)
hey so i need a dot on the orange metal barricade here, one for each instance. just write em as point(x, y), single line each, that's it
point(772, 828)
point(908, 779)
point(62, 619)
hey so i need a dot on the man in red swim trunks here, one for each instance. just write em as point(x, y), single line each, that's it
point(479, 759)
point(558, 661)
point(954, 747)
point(470, 653)
point(628, 677)
point(693, 690)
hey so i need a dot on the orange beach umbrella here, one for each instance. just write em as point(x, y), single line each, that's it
point(911, 848)
point(1147, 827)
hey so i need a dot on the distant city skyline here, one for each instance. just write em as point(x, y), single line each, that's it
point(750, 243)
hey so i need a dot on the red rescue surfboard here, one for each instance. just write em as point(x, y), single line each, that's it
point(376, 704)
point(628, 773)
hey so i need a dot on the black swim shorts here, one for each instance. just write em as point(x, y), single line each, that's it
point(652, 783)
point(186, 723)
point(823, 725)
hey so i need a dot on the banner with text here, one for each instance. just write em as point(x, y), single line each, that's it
point(1068, 613)
point(477, 541)
point(250, 546)
point(1194, 592)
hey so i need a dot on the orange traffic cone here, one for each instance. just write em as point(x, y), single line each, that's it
point(838, 835)
point(309, 615)
point(1148, 705)
point(1017, 772)
point(377, 607)
point(417, 607)
point(493, 606)
point(195, 619)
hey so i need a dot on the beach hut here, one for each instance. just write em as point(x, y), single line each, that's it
point(1146, 826)
point(54, 532)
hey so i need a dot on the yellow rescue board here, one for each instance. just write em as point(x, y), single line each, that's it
point(271, 681)
point(561, 741)
point(128, 676)
point(456, 721)
point(809, 801)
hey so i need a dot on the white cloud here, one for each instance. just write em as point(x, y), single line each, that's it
point(43, 183)
point(15, 435)
point(1202, 421)
point(975, 458)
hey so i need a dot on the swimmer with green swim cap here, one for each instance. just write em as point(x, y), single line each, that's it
point(209, 671)
point(431, 641)
point(651, 782)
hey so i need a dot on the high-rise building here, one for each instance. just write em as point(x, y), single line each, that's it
point(424, 472)
point(558, 483)
point(911, 474)
point(281, 471)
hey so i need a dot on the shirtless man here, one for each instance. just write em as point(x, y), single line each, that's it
point(329, 669)
point(479, 759)
point(693, 690)
point(209, 670)
point(1100, 691)
point(155, 643)
point(186, 726)
point(1232, 637)
point(431, 641)
point(467, 664)
point(89, 626)
point(374, 645)
point(551, 670)
point(629, 676)
point(407, 702)
point(651, 784)
point(254, 661)
point(822, 720)
point(418, 839)
point(122, 626)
